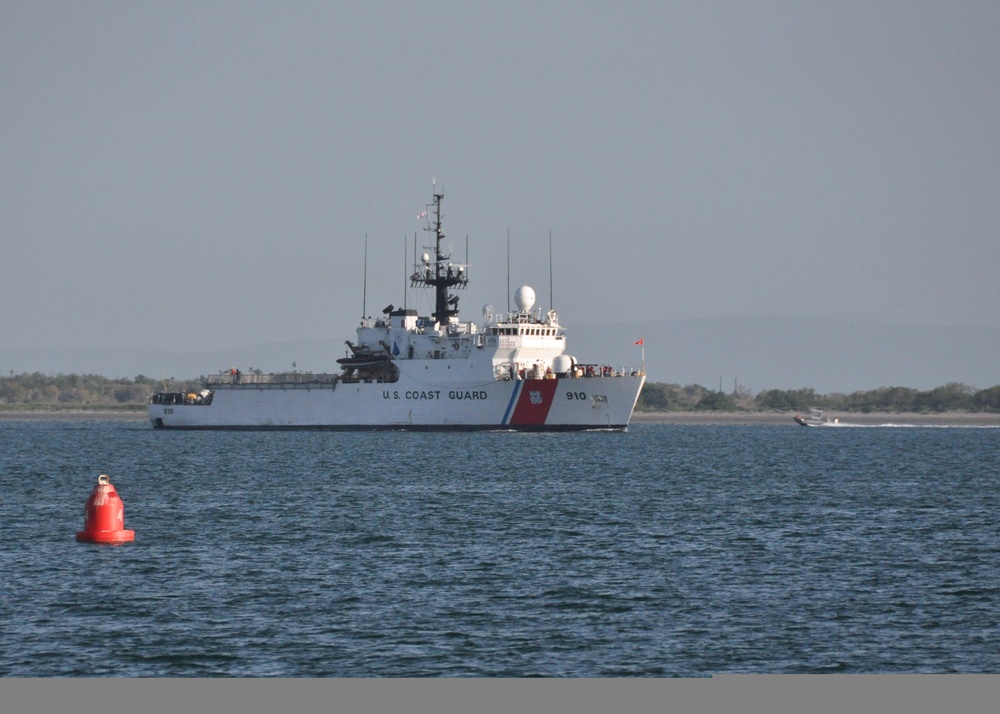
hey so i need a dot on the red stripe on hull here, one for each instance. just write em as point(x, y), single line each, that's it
point(534, 402)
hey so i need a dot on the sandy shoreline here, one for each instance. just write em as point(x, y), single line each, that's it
point(74, 415)
point(903, 418)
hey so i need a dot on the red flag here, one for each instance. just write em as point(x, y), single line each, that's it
point(639, 341)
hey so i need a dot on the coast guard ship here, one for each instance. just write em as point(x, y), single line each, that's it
point(433, 372)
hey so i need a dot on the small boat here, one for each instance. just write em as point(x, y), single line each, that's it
point(815, 418)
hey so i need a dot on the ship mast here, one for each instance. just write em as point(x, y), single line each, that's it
point(444, 275)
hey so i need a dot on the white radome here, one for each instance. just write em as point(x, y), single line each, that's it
point(524, 298)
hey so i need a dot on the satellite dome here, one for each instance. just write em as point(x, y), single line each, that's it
point(562, 364)
point(524, 298)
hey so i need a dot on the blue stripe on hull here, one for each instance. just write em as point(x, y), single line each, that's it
point(513, 401)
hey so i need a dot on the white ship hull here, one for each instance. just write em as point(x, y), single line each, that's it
point(561, 404)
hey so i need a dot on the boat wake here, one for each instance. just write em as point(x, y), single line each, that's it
point(816, 418)
point(892, 425)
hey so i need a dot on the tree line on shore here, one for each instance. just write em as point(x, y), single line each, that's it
point(954, 396)
point(89, 390)
point(82, 390)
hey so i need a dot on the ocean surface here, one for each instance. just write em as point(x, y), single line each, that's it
point(664, 551)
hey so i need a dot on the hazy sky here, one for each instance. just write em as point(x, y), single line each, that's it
point(205, 173)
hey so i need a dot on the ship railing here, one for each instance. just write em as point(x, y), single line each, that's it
point(596, 371)
point(514, 318)
point(505, 373)
point(272, 378)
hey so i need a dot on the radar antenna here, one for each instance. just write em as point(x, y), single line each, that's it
point(442, 275)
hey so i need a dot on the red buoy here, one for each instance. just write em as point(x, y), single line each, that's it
point(104, 516)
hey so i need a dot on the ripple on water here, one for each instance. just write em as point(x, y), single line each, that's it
point(666, 551)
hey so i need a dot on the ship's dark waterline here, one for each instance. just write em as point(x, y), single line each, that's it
point(663, 551)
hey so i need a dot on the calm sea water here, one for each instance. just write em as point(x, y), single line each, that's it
point(664, 551)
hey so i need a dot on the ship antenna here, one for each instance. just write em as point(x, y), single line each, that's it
point(444, 276)
point(364, 289)
point(441, 290)
point(404, 270)
point(550, 268)
point(508, 270)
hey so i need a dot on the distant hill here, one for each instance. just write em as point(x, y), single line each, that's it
point(760, 352)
